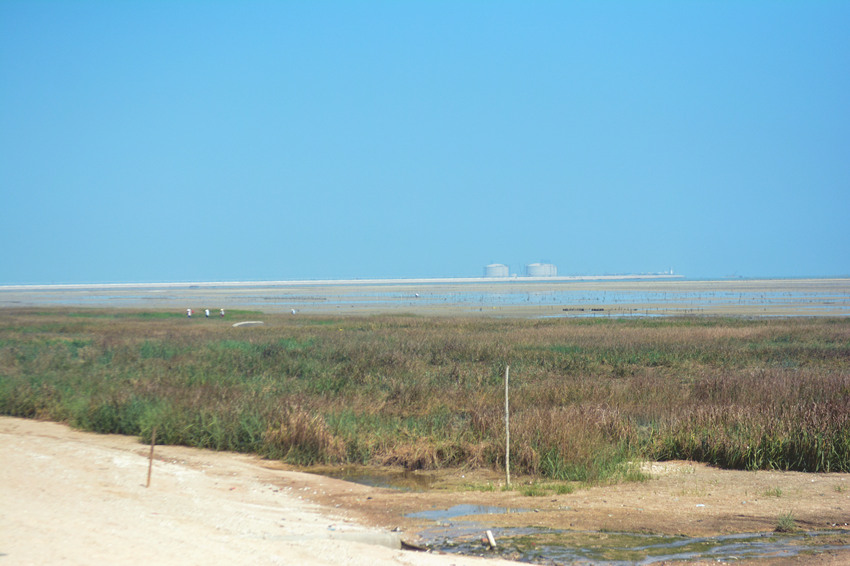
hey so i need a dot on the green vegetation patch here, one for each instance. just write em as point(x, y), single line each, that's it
point(588, 398)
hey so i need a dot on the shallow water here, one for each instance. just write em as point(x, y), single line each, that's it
point(463, 511)
point(619, 302)
point(551, 298)
point(559, 547)
point(556, 546)
point(399, 480)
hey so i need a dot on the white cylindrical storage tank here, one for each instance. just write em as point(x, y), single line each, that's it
point(534, 270)
point(541, 270)
point(496, 270)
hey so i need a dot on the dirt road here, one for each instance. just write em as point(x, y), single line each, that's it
point(77, 498)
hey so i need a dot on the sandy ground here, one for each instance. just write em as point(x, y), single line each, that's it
point(77, 498)
point(70, 497)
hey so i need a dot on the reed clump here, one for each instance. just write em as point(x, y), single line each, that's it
point(588, 397)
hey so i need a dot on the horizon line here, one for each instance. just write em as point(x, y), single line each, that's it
point(296, 282)
point(385, 281)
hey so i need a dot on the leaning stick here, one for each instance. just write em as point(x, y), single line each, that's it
point(150, 458)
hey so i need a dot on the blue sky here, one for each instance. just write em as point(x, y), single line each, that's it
point(206, 141)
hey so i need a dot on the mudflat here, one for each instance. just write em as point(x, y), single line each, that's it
point(512, 297)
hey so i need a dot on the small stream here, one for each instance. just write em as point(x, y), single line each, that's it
point(452, 534)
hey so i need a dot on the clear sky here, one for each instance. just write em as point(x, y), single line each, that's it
point(202, 141)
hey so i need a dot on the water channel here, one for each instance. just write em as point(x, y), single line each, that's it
point(453, 532)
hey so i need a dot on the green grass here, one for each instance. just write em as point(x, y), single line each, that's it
point(538, 489)
point(588, 397)
point(489, 486)
point(786, 523)
point(533, 490)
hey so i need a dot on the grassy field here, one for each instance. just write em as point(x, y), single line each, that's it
point(587, 396)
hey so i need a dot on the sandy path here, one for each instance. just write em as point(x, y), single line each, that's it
point(77, 498)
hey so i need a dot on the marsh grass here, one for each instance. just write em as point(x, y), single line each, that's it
point(588, 397)
point(479, 486)
point(537, 489)
point(533, 490)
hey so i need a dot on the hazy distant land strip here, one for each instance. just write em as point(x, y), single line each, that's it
point(599, 296)
point(322, 282)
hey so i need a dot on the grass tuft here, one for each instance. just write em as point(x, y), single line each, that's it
point(786, 523)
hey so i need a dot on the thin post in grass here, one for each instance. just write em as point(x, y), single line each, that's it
point(150, 458)
point(507, 431)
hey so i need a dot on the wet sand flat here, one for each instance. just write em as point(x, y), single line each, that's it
point(514, 297)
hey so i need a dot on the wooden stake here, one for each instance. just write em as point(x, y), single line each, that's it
point(507, 431)
point(150, 458)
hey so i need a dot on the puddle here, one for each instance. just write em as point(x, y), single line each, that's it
point(553, 546)
point(462, 511)
point(398, 480)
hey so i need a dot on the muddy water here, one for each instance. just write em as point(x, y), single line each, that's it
point(398, 480)
point(463, 511)
point(451, 533)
